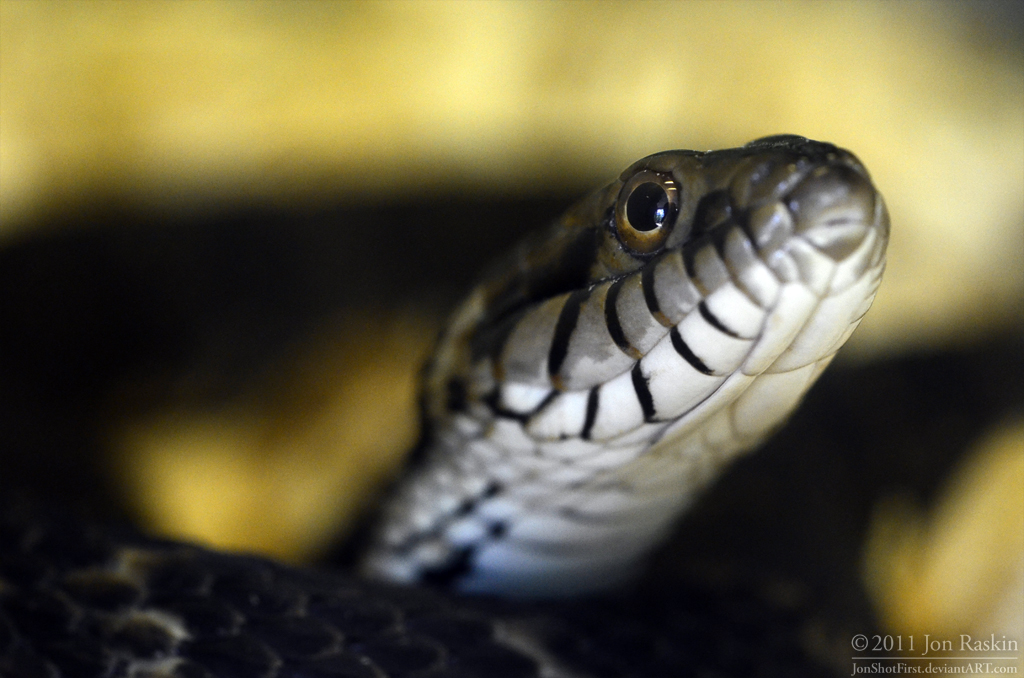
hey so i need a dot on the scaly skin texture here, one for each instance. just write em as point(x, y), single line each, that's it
point(606, 370)
point(84, 601)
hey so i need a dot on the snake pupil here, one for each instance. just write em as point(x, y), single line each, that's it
point(648, 207)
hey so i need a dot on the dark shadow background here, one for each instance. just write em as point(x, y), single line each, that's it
point(90, 303)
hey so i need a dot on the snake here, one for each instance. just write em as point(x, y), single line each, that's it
point(580, 398)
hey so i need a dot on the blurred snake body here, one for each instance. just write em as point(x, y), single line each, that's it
point(580, 397)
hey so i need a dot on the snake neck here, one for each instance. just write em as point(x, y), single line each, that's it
point(609, 368)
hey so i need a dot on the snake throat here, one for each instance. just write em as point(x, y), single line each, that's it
point(610, 367)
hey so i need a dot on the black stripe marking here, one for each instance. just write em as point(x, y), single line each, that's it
point(544, 403)
point(564, 328)
point(469, 504)
point(706, 313)
point(588, 422)
point(688, 262)
point(643, 393)
point(498, 530)
point(491, 400)
point(465, 507)
point(611, 320)
point(647, 285)
point(689, 356)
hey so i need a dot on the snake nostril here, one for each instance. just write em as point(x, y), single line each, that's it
point(763, 181)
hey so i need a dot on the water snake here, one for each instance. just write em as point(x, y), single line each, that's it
point(596, 379)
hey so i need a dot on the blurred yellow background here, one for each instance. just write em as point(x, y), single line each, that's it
point(303, 101)
point(172, 103)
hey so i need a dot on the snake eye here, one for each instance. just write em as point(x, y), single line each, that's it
point(646, 211)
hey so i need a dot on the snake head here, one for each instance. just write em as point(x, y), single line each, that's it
point(610, 366)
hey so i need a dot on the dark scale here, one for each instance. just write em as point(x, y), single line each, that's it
point(297, 637)
point(208, 616)
point(141, 637)
point(404, 657)
point(101, 590)
point(239, 656)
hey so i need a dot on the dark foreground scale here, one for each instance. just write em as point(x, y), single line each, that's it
point(580, 397)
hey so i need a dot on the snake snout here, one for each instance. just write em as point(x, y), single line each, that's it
point(833, 208)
